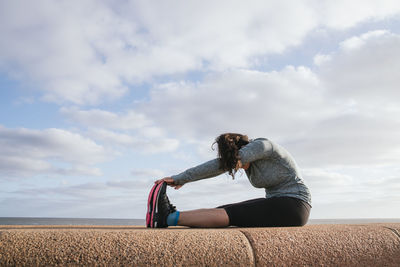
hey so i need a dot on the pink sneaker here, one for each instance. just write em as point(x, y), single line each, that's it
point(151, 204)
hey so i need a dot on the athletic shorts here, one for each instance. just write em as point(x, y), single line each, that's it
point(268, 212)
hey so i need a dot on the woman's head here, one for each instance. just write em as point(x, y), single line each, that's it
point(228, 150)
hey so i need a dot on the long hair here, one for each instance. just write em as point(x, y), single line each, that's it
point(228, 151)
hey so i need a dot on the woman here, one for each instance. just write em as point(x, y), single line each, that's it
point(267, 165)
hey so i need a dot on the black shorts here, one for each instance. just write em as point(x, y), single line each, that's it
point(268, 212)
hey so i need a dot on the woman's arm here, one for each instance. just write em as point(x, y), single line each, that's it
point(206, 170)
point(255, 150)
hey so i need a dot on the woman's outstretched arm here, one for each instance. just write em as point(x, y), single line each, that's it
point(203, 171)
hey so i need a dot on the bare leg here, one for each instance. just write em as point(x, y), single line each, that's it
point(204, 218)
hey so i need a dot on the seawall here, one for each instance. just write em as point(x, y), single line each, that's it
point(311, 245)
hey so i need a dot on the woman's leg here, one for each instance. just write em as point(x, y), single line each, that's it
point(208, 217)
point(269, 212)
point(204, 218)
point(262, 212)
point(217, 217)
point(242, 202)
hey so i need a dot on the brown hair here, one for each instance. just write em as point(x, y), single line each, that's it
point(228, 151)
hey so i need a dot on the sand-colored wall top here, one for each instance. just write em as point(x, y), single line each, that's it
point(124, 247)
point(313, 245)
point(325, 245)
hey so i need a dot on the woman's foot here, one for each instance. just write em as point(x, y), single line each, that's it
point(163, 208)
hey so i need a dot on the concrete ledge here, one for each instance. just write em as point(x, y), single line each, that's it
point(325, 245)
point(124, 246)
point(313, 245)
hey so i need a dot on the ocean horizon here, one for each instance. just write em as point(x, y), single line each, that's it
point(116, 222)
point(68, 221)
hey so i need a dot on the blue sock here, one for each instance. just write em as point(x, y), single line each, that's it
point(172, 219)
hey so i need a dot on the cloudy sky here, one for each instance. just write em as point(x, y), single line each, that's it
point(98, 100)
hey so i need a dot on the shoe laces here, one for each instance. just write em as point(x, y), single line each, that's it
point(171, 207)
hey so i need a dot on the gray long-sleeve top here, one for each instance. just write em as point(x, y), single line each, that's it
point(271, 167)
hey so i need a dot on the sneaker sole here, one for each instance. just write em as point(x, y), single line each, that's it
point(160, 190)
point(150, 206)
point(153, 204)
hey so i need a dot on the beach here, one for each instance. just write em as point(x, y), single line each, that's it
point(373, 244)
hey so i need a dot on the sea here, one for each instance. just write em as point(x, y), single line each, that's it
point(68, 221)
point(141, 222)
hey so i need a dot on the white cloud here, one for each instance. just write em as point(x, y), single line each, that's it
point(200, 31)
point(252, 102)
point(148, 173)
point(91, 52)
point(349, 103)
point(135, 141)
point(346, 192)
point(363, 74)
point(130, 130)
point(321, 58)
point(350, 140)
point(111, 137)
point(356, 42)
point(365, 70)
point(51, 151)
point(15, 163)
point(326, 178)
point(343, 14)
point(111, 199)
point(54, 47)
point(105, 119)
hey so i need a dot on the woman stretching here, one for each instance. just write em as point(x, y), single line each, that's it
point(267, 165)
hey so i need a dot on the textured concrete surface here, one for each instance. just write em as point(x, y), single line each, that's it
point(314, 245)
point(394, 227)
point(325, 245)
point(124, 247)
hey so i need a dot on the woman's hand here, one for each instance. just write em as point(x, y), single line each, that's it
point(169, 182)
